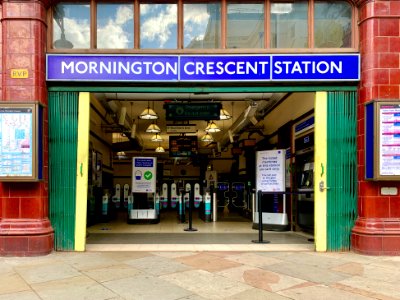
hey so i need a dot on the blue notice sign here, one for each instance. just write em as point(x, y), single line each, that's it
point(112, 67)
point(315, 67)
point(191, 68)
point(144, 162)
point(225, 68)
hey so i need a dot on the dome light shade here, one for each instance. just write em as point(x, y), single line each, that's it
point(153, 128)
point(207, 138)
point(148, 114)
point(212, 127)
point(160, 149)
point(224, 115)
point(156, 138)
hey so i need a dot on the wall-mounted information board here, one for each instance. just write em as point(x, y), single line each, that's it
point(382, 140)
point(20, 149)
point(183, 146)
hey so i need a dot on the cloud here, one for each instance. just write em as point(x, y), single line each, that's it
point(195, 23)
point(112, 35)
point(76, 31)
point(159, 21)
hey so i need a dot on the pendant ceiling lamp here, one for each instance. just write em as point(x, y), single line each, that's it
point(224, 114)
point(160, 149)
point(153, 128)
point(212, 127)
point(148, 114)
point(156, 138)
point(207, 138)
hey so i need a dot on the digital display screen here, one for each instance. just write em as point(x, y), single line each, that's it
point(183, 146)
point(238, 186)
point(223, 186)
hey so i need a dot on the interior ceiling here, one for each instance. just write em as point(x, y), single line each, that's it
point(237, 104)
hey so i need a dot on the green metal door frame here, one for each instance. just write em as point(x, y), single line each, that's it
point(62, 203)
point(63, 132)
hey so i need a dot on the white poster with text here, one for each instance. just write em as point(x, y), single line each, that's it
point(270, 170)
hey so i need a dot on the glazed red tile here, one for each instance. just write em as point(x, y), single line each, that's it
point(395, 8)
point(381, 76)
point(370, 243)
point(394, 44)
point(40, 244)
point(381, 43)
point(388, 60)
point(389, 27)
point(381, 8)
point(369, 188)
point(11, 9)
point(390, 243)
point(394, 76)
point(24, 189)
point(32, 207)
point(369, 60)
point(395, 206)
point(19, 29)
point(388, 92)
point(11, 208)
point(16, 244)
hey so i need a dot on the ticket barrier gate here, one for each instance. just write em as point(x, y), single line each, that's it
point(205, 208)
point(126, 195)
point(144, 207)
point(116, 199)
point(174, 196)
point(164, 196)
point(237, 201)
point(222, 195)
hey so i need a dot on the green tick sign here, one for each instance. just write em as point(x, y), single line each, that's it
point(148, 175)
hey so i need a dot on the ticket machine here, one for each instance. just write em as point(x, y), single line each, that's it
point(304, 176)
point(116, 199)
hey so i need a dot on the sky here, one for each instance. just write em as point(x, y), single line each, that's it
point(158, 25)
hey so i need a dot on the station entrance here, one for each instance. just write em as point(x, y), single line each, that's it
point(204, 179)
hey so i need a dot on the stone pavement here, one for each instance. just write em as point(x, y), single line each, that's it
point(200, 275)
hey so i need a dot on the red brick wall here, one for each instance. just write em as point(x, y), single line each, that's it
point(24, 226)
point(377, 230)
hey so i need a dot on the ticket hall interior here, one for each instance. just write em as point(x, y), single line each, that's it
point(204, 147)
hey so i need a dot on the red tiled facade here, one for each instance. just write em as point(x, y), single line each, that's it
point(25, 229)
point(377, 229)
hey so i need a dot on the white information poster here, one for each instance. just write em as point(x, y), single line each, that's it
point(144, 174)
point(270, 170)
point(389, 145)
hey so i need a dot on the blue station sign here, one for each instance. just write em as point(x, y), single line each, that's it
point(194, 68)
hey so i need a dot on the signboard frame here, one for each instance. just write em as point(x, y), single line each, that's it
point(31, 157)
point(375, 152)
point(264, 166)
point(142, 183)
point(179, 146)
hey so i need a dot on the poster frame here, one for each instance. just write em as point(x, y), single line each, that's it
point(35, 142)
point(373, 138)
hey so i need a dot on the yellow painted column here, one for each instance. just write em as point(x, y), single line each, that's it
point(320, 197)
point(82, 171)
